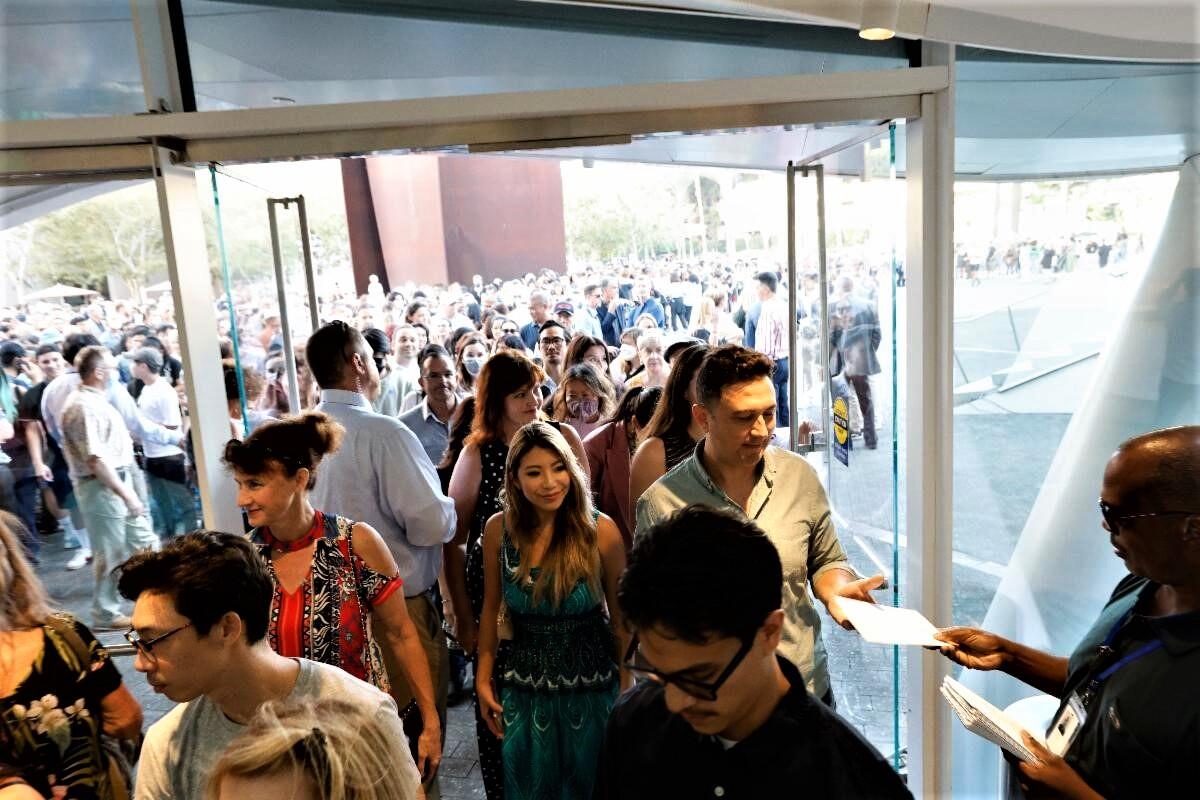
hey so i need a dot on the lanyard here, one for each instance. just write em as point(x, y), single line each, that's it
point(1106, 650)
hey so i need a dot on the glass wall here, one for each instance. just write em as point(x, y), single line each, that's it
point(1076, 327)
point(246, 55)
point(68, 58)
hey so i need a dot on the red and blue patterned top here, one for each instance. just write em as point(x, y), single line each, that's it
point(328, 617)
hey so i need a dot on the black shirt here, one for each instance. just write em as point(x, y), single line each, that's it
point(1142, 734)
point(804, 749)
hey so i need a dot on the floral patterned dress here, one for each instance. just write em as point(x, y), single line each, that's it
point(50, 725)
point(328, 617)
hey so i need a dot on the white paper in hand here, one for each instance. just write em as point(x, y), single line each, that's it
point(889, 625)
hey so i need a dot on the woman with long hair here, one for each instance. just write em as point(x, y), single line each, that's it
point(553, 561)
point(323, 750)
point(584, 349)
point(609, 449)
point(470, 354)
point(672, 434)
point(59, 690)
point(338, 592)
point(583, 399)
point(507, 398)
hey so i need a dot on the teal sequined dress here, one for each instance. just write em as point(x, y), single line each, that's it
point(558, 685)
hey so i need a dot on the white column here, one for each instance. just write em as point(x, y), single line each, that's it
point(191, 288)
point(929, 298)
point(1062, 570)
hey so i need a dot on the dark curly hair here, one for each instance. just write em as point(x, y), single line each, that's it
point(207, 574)
point(729, 365)
point(292, 444)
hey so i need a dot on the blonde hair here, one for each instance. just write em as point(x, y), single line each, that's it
point(338, 746)
point(23, 601)
point(573, 554)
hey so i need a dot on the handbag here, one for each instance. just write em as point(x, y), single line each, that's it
point(120, 754)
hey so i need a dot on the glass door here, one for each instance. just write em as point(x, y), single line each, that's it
point(847, 289)
point(266, 310)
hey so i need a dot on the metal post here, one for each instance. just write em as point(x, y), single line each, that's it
point(823, 280)
point(309, 278)
point(289, 354)
point(794, 433)
point(192, 291)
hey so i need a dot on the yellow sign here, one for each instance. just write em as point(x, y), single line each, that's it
point(841, 420)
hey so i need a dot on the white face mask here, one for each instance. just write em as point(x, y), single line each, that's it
point(628, 351)
point(474, 364)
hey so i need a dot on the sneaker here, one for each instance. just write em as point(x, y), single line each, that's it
point(118, 623)
point(79, 560)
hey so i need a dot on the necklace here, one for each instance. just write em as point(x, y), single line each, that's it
point(314, 533)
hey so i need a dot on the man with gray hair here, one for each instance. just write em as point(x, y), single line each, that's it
point(539, 312)
point(99, 452)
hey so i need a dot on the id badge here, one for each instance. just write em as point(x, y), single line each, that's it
point(1066, 726)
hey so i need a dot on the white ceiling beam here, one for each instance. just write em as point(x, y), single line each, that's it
point(445, 111)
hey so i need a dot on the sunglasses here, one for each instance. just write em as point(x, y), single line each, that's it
point(1115, 517)
point(697, 689)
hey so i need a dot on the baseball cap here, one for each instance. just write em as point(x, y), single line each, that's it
point(10, 351)
point(564, 308)
point(150, 357)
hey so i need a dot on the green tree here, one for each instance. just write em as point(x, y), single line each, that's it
point(118, 234)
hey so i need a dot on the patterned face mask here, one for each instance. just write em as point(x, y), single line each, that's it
point(583, 408)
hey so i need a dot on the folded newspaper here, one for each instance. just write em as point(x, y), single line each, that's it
point(983, 719)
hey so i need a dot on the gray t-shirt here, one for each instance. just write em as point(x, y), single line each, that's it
point(181, 748)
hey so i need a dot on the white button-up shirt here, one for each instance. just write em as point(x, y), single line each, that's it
point(381, 476)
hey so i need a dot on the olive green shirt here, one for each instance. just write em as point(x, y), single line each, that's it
point(789, 504)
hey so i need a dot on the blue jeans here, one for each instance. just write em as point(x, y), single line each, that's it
point(779, 377)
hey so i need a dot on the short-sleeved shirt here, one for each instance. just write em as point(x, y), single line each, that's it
point(1142, 733)
point(326, 618)
point(92, 427)
point(50, 725)
point(789, 504)
point(159, 402)
point(182, 747)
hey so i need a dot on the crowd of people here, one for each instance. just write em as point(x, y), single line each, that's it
point(568, 487)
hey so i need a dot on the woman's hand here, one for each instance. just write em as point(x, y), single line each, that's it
point(973, 648)
point(493, 712)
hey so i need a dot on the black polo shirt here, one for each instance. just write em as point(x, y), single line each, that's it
point(804, 749)
point(1142, 734)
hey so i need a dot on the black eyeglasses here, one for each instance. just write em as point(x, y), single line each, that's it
point(698, 689)
point(146, 646)
point(1113, 516)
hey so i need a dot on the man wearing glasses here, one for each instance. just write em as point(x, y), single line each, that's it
point(719, 713)
point(1128, 723)
point(99, 452)
point(200, 616)
point(552, 341)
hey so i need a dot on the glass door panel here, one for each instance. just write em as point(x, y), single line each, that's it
point(848, 386)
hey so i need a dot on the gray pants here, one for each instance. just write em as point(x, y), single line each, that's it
point(115, 536)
